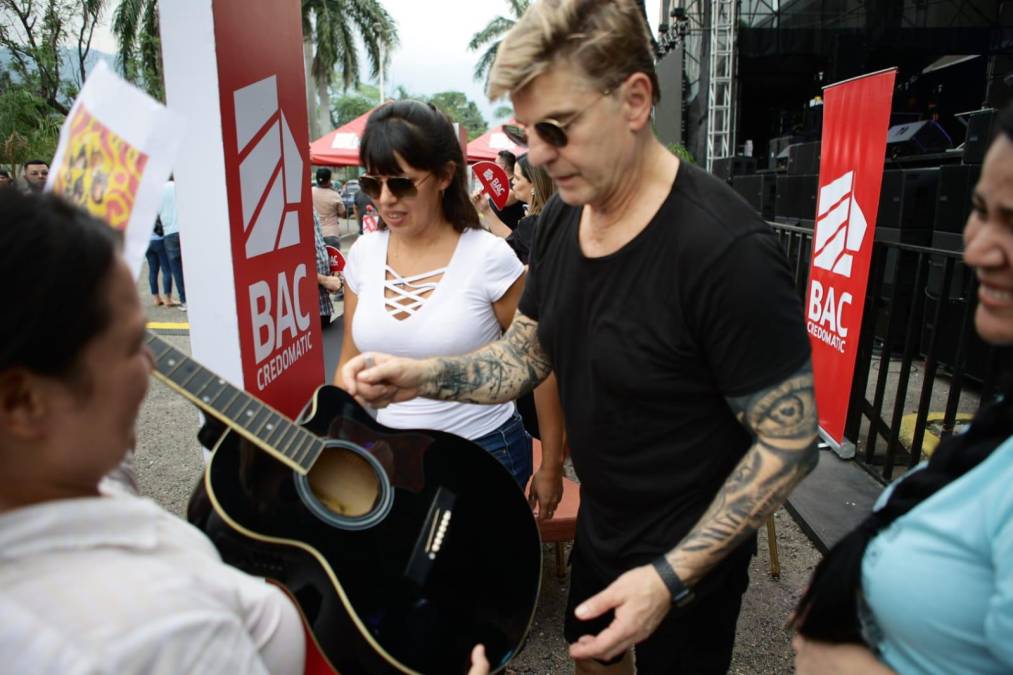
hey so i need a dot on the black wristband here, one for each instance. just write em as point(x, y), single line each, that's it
point(681, 594)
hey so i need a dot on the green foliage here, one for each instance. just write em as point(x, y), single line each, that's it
point(136, 27)
point(462, 111)
point(333, 26)
point(491, 36)
point(503, 112)
point(680, 151)
point(346, 106)
point(36, 35)
point(29, 127)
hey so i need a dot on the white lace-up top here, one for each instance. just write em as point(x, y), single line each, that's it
point(441, 312)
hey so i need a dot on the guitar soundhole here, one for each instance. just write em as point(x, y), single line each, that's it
point(345, 482)
point(347, 487)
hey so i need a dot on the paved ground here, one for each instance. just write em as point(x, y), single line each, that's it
point(169, 463)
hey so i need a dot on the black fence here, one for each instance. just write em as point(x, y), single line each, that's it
point(918, 324)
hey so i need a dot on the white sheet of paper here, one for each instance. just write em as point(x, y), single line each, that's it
point(116, 152)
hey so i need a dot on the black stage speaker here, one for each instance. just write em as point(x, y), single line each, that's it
point(907, 199)
point(916, 138)
point(777, 146)
point(981, 129)
point(759, 190)
point(804, 158)
point(953, 203)
point(796, 196)
point(726, 168)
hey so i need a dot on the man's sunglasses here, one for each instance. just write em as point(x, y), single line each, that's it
point(549, 130)
point(399, 186)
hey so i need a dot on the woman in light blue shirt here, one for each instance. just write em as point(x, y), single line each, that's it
point(925, 583)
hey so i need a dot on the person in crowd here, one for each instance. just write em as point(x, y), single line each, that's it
point(328, 207)
point(5, 178)
point(430, 281)
point(533, 186)
point(35, 172)
point(93, 578)
point(158, 261)
point(541, 409)
point(327, 283)
point(503, 221)
point(667, 310)
point(925, 583)
point(170, 227)
point(362, 202)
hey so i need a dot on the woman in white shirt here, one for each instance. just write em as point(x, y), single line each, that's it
point(430, 281)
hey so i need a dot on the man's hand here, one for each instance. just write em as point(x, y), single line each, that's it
point(821, 658)
point(378, 380)
point(331, 283)
point(479, 664)
point(640, 600)
point(546, 491)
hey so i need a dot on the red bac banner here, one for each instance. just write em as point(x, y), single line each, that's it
point(264, 126)
point(856, 117)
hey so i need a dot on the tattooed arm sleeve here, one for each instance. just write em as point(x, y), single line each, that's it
point(501, 371)
point(782, 420)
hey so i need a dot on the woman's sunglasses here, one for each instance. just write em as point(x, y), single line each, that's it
point(549, 130)
point(399, 186)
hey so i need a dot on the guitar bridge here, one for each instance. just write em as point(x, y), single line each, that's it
point(431, 537)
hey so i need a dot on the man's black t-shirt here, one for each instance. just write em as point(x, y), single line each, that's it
point(647, 343)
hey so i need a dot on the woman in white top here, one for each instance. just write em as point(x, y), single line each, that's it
point(430, 281)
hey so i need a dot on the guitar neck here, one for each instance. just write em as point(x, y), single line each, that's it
point(251, 418)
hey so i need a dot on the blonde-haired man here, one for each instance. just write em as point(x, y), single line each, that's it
point(666, 308)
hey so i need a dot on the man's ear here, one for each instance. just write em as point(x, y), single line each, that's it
point(638, 100)
point(23, 405)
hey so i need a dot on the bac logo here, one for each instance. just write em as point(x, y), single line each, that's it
point(840, 226)
point(270, 169)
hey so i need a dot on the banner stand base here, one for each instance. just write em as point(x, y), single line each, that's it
point(845, 450)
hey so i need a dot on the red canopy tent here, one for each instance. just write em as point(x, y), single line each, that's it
point(341, 146)
point(488, 145)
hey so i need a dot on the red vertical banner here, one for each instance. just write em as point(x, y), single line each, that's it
point(856, 117)
point(262, 92)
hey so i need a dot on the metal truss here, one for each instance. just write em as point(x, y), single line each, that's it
point(721, 80)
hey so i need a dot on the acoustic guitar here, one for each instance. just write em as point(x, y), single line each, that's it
point(402, 549)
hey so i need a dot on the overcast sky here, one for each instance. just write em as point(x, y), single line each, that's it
point(433, 55)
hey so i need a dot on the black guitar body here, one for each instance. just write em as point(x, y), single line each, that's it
point(403, 549)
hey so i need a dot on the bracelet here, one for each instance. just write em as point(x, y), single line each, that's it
point(682, 595)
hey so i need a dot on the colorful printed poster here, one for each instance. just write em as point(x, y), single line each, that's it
point(115, 153)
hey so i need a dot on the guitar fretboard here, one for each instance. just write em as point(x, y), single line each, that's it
point(258, 422)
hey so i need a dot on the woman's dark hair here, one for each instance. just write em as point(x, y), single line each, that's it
point(424, 138)
point(542, 185)
point(56, 258)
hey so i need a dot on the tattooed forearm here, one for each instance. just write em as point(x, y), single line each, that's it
point(783, 422)
point(501, 371)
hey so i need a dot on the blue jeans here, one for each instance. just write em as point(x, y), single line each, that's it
point(158, 259)
point(176, 263)
point(511, 445)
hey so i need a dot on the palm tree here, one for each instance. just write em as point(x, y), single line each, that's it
point(135, 25)
point(332, 26)
point(492, 35)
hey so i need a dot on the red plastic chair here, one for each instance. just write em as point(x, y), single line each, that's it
point(562, 527)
